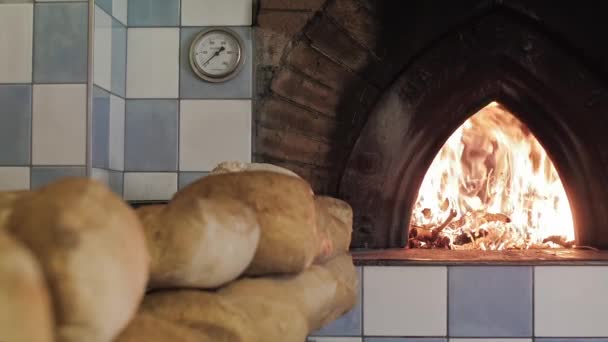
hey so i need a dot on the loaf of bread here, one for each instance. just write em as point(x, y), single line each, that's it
point(335, 225)
point(199, 242)
point(25, 306)
point(92, 250)
point(265, 309)
point(236, 166)
point(7, 200)
point(285, 211)
point(148, 328)
point(322, 292)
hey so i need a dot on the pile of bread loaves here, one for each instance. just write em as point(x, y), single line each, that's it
point(246, 254)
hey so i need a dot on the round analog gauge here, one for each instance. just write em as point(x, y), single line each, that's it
point(216, 55)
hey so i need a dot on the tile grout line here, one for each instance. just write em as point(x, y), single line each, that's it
point(124, 126)
point(533, 302)
point(447, 302)
point(89, 92)
point(179, 90)
point(31, 161)
point(362, 332)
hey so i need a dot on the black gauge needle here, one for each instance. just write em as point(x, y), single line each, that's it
point(214, 55)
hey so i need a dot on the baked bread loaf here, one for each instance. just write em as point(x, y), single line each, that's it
point(25, 307)
point(236, 166)
point(148, 328)
point(335, 224)
point(285, 211)
point(265, 309)
point(199, 242)
point(322, 292)
point(92, 250)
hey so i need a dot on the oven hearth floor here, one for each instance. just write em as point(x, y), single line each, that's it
point(403, 256)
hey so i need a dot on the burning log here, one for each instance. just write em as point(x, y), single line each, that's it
point(559, 240)
point(420, 237)
point(489, 217)
point(468, 237)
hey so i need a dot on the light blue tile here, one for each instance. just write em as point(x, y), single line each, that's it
point(15, 124)
point(186, 178)
point(153, 13)
point(60, 42)
point(403, 339)
point(44, 175)
point(101, 128)
point(151, 135)
point(119, 57)
point(116, 182)
point(350, 323)
point(192, 87)
point(490, 301)
point(106, 5)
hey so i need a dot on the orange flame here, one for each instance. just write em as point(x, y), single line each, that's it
point(492, 164)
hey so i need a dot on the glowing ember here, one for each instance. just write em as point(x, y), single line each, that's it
point(491, 186)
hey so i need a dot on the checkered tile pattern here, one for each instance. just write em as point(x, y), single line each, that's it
point(475, 304)
point(43, 91)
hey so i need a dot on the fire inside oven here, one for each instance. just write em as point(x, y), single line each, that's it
point(491, 186)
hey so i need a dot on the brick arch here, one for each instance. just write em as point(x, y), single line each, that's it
point(321, 67)
point(497, 57)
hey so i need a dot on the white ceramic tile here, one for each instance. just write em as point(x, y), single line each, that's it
point(117, 133)
point(396, 301)
point(16, 31)
point(334, 339)
point(119, 10)
point(102, 69)
point(217, 12)
point(144, 186)
point(59, 124)
point(490, 340)
point(101, 175)
point(571, 301)
point(152, 62)
point(14, 178)
point(212, 131)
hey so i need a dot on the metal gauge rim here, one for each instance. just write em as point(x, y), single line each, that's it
point(230, 74)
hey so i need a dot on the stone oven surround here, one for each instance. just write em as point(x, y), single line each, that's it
point(358, 96)
point(496, 59)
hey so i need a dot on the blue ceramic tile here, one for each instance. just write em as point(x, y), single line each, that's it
point(106, 5)
point(60, 42)
point(350, 323)
point(151, 135)
point(101, 128)
point(403, 339)
point(186, 178)
point(490, 301)
point(119, 57)
point(15, 124)
point(153, 13)
point(192, 87)
point(116, 182)
point(44, 175)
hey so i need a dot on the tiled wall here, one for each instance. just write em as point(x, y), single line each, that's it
point(109, 79)
point(154, 126)
point(177, 127)
point(43, 91)
point(476, 303)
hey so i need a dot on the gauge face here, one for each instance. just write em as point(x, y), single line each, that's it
point(216, 55)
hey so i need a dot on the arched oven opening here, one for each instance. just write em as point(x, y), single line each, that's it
point(546, 88)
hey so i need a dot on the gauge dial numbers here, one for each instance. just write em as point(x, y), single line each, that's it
point(216, 55)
